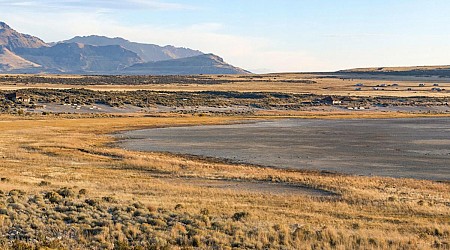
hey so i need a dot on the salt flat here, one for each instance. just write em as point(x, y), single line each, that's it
point(412, 148)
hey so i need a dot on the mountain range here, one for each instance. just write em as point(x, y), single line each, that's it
point(148, 52)
point(22, 53)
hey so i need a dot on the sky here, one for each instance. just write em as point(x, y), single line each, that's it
point(258, 35)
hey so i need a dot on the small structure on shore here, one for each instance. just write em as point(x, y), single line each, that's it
point(18, 97)
point(331, 100)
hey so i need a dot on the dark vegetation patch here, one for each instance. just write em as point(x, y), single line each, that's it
point(140, 80)
point(147, 99)
point(112, 80)
point(215, 99)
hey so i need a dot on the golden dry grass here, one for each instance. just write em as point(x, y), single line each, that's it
point(278, 83)
point(368, 212)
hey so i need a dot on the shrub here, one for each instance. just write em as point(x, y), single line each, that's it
point(109, 199)
point(66, 192)
point(240, 216)
point(82, 191)
point(44, 183)
point(53, 197)
point(91, 202)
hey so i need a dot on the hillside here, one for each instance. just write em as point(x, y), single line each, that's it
point(148, 52)
point(11, 39)
point(443, 71)
point(80, 58)
point(23, 53)
point(10, 61)
point(202, 64)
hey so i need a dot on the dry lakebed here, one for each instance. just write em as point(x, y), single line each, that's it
point(411, 148)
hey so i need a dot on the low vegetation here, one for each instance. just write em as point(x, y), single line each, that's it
point(111, 80)
point(252, 100)
point(141, 80)
point(64, 186)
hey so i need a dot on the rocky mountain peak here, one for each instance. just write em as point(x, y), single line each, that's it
point(22, 53)
point(13, 40)
point(4, 26)
point(214, 57)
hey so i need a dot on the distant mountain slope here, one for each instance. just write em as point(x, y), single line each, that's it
point(80, 58)
point(441, 71)
point(202, 64)
point(12, 39)
point(398, 69)
point(148, 52)
point(21, 53)
point(11, 62)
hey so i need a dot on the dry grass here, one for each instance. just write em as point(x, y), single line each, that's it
point(282, 83)
point(40, 156)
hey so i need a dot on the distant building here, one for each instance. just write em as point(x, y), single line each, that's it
point(357, 108)
point(17, 97)
point(331, 100)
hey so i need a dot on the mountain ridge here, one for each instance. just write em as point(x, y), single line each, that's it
point(397, 69)
point(148, 52)
point(10, 61)
point(11, 39)
point(81, 58)
point(201, 64)
point(439, 71)
point(93, 54)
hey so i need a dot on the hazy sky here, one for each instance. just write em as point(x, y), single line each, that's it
point(258, 35)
